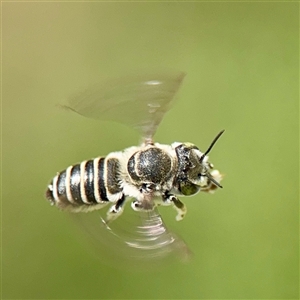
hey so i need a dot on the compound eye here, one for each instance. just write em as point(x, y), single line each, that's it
point(188, 188)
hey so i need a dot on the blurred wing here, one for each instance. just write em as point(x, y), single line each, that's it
point(140, 101)
point(136, 240)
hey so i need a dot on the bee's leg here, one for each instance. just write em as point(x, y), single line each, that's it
point(177, 204)
point(136, 205)
point(115, 210)
point(145, 202)
point(147, 188)
point(142, 205)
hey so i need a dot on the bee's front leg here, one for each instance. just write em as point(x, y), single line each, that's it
point(169, 199)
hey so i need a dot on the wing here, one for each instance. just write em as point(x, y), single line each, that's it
point(139, 241)
point(138, 101)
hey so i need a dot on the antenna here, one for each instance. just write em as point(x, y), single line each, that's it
point(211, 145)
point(213, 180)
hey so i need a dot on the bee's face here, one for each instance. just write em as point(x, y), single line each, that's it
point(197, 173)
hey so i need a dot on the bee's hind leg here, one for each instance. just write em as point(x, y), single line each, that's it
point(115, 210)
point(169, 199)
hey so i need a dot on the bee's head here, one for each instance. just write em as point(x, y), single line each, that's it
point(195, 172)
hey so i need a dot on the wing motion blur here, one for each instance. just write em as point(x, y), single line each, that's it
point(140, 240)
point(140, 101)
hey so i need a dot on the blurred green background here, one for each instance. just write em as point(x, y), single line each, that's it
point(241, 61)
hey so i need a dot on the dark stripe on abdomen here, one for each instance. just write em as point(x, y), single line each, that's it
point(75, 184)
point(112, 176)
point(101, 183)
point(89, 182)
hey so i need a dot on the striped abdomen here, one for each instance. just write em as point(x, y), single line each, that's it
point(86, 186)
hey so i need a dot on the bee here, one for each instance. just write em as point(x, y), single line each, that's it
point(148, 175)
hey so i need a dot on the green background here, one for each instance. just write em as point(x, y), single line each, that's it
point(241, 61)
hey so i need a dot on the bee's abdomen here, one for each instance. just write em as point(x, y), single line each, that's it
point(84, 185)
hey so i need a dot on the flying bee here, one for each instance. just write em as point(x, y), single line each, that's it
point(151, 174)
